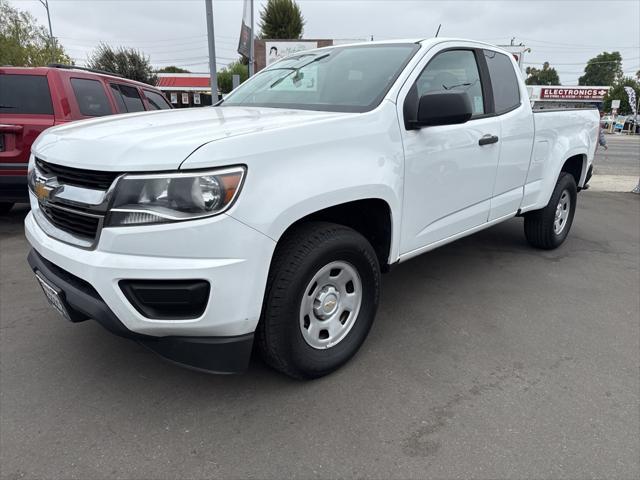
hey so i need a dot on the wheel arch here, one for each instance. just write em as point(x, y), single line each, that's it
point(576, 165)
point(371, 217)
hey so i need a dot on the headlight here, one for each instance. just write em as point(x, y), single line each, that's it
point(174, 197)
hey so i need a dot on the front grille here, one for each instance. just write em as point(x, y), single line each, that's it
point(77, 176)
point(72, 221)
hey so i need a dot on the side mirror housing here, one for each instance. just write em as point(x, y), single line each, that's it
point(442, 108)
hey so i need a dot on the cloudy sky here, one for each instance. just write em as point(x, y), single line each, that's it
point(173, 32)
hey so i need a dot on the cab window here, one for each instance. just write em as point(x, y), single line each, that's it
point(504, 83)
point(455, 70)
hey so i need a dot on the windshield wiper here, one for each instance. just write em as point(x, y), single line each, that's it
point(295, 69)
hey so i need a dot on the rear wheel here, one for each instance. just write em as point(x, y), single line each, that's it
point(547, 228)
point(321, 300)
point(5, 207)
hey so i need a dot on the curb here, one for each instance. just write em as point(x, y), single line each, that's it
point(613, 183)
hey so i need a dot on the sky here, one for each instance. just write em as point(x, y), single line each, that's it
point(174, 32)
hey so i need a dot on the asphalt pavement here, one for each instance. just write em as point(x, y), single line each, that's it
point(621, 158)
point(488, 359)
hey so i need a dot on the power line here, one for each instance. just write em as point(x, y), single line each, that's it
point(585, 63)
point(573, 45)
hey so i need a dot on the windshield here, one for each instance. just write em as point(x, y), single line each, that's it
point(342, 79)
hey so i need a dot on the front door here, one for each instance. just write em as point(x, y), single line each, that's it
point(450, 170)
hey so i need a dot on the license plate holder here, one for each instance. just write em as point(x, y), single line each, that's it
point(54, 296)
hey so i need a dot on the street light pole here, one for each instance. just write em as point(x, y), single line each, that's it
point(52, 42)
point(251, 59)
point(212, 52)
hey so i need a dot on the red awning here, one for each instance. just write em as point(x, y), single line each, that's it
point(180, 82)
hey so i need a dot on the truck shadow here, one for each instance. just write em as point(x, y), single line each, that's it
point(12, 222)
point(409, 291)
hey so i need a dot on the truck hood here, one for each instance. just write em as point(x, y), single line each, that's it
point(158, 140)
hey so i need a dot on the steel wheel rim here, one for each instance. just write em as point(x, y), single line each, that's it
point(330, 305)
point(562, 212)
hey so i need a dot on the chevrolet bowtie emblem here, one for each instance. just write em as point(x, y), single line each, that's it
point(42, 190)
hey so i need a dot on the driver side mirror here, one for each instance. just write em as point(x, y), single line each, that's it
point(442, 108)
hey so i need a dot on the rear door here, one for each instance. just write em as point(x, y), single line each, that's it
point(516, 142)
point(25, 111)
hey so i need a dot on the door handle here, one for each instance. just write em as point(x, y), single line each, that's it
point(488, 140)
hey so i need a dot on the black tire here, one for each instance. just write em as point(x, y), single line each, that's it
point(299, 256)
point(5, 207)
point(539, 224)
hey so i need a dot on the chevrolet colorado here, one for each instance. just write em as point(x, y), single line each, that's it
point(271, 215)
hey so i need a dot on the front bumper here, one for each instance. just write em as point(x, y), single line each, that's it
point(215, 354)
point(232, 257)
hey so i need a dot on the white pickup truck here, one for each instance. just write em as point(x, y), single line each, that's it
point(271, 215)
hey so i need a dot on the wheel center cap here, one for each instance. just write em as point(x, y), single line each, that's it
point(326, 302)
point(329, 304)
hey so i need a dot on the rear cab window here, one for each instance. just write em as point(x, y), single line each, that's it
point(504, 82)
point(156, 100)
point(127, 98)
point(25, 94)
point(91, 97)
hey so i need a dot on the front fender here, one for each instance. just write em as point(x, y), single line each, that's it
point(295, 171)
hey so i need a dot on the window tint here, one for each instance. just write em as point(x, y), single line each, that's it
point(129, 96)
point(156, 100)
point(115, 91)
point(25, 94)
point(453, 70)
point(91, 97)
point(504, 82)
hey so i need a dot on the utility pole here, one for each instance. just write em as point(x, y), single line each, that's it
point(251, 55)
point(52, 42)
point(212, 52)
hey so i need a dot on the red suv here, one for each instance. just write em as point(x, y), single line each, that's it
point(33, 99)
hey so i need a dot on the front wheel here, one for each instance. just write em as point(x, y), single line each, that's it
point(547, 228)
point(321, 299)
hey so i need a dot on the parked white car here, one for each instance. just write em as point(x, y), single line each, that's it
point(272, 215)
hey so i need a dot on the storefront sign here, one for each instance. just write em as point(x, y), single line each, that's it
point(573, 93)
point(196, 98)
point(274, 51)
point(185, 98)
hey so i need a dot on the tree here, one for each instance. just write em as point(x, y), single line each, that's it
point(603, 70)
point(128, 62)
point(617, 92)
point(172, 69)
point(281, 19)
point(225, 80)
point(24, 43)
point(544, 76)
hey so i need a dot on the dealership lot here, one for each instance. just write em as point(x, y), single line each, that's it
point(488, 359)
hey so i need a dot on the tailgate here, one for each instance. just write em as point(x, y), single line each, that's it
point(25, 111)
